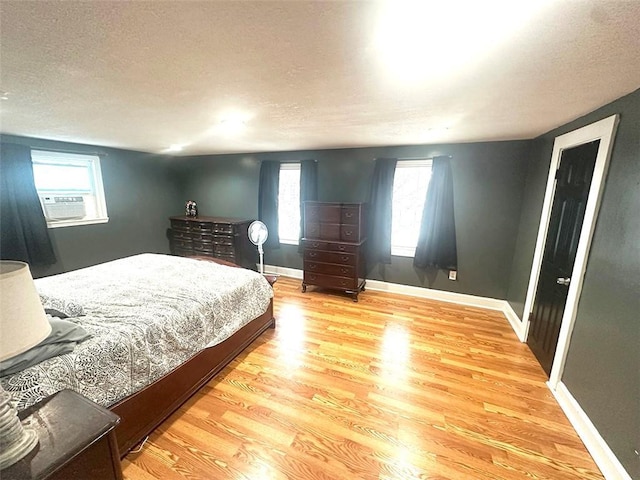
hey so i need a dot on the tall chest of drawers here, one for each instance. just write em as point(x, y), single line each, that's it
point(334, 240)
point(218, 237)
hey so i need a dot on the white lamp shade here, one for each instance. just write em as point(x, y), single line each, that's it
point(23, 322)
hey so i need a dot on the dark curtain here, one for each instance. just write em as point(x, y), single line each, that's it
point(268, 200)
point(380, 208)
point(308, 190)
point(23, 233)
point(437, 241)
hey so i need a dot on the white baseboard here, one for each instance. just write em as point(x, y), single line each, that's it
point(432, 294)
point(606, 460)
point(284, 271)
point(516, 323)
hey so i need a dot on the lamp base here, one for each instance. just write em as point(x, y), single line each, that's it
point(15, 441)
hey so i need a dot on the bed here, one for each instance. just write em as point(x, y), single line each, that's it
point(161, 326)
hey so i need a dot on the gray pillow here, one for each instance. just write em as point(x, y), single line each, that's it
point(64, 331)
point(55, 313)
point(33, 356)
point(64, 336)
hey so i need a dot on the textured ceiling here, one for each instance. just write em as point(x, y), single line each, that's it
point(306, 75)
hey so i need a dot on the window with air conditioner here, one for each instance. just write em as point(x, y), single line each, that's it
point(70, 188)
point(410, 184)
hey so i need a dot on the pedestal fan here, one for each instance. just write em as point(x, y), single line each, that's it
point(258, 234)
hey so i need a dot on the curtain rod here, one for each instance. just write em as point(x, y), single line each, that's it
point(291, 161)
point(417, 158)
point(76, 152)
point(423, 158)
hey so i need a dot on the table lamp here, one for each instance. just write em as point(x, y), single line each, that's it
point(23, 324)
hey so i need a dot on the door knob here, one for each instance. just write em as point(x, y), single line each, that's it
point(563, 281)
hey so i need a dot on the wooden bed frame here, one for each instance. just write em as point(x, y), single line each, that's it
point(143, 411)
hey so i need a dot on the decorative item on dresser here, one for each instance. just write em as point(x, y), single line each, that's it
point(334, 240)
point(218, 237)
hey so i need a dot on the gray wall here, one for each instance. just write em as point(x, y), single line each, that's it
point(140, 192)
point(603, 364)
point(488, 183)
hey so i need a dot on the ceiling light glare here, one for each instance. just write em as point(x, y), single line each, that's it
point(232, 125)
point(176, 147)
point(428, 38)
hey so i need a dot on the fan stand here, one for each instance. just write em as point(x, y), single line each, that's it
point(261, 254)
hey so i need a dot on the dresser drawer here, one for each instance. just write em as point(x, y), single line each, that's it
point(201, 236)
point(180, 225)
point(330, 281)
point(183, 243)
point(201, 227)
point(330, 257)
point(317, 245)
point(180, 234)
point(350, 215)
point(224, 250)
point(330, 231)
point(223, 240)
point(200, 246)
point(330, 269)
point(223, 228)
point(350, 233)
point(343, 247)
point(311, 229)
point(322, 213)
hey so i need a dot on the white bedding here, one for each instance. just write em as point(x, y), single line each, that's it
point(148, 314)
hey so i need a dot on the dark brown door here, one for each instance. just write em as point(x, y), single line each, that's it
point(567, 213)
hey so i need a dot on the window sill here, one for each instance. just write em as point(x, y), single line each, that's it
point(76, 223)
point(403, 252)
point(289, 242)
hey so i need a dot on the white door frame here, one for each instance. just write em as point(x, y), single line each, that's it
point(604, 130)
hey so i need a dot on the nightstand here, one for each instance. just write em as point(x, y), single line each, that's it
point(77, 441)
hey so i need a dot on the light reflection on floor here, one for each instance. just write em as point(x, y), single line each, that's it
point(395, 353)
point(291, 325)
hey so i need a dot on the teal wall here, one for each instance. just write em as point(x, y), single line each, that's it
point(603, 364)
point(488, 183)
point(140, 190)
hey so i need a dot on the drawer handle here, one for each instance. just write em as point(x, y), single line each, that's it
point(315, 245)
point(312, 266)
point(343, 283)
point(348, 214)
point(348, 233)
point(342, 248)
point(313, 254)
point(312, 277)
point(344, 270)
point(344, 258)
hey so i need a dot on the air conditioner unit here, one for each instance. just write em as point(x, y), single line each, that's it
point(63, 208)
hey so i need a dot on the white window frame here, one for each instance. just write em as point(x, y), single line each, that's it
point(290, 166)
point(90, 161)
point(402, 251)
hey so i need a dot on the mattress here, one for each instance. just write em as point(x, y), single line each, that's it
point(147, 315)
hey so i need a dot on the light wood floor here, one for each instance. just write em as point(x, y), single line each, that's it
point(392, 387)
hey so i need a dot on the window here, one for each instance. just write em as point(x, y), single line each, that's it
point(289, 203)
point(410, 184)
point(70, 188)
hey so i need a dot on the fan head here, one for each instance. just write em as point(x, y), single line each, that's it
point(258, 232)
